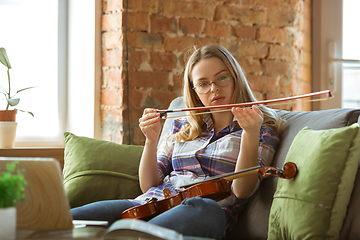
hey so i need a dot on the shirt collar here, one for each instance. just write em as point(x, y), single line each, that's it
point(210, 124)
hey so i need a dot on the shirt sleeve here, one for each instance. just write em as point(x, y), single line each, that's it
point(268, 145)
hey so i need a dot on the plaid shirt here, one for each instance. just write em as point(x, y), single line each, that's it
point(208, 155)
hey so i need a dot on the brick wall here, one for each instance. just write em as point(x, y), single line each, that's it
point(270, 39)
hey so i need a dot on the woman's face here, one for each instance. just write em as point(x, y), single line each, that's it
point(212, 71)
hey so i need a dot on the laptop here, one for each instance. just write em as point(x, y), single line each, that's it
point(46, 206)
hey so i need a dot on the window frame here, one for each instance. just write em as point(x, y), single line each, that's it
point(79, 109)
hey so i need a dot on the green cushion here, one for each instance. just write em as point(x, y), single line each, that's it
point(97, 170)
point(313, 205)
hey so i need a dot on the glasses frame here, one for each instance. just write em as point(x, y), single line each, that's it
point(213, 82)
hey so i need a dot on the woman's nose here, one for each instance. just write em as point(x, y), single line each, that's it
point(214, 87)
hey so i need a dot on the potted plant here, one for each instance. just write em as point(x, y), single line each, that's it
point(8, 116)
point(12, 190)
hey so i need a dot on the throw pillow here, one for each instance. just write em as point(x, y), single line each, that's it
point(313, 205)
point(97, 170)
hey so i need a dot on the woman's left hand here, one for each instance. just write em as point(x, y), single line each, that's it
point(250, 120)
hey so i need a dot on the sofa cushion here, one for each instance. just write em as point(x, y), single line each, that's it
point(97, 170)
point(314, 203)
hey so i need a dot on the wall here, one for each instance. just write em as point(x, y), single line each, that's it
point(270, 39)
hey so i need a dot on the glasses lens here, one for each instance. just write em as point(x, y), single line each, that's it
point(203, 87)
point(223, 81)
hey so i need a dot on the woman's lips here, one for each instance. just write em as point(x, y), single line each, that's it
point(217, 99)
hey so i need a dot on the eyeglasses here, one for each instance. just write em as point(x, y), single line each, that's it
point(204, 87)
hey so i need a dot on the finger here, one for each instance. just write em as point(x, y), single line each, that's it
point(257, 110)
point(147, 122)
point(150, 115)
point(149, 110)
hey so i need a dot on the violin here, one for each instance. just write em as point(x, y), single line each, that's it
point(216, 188)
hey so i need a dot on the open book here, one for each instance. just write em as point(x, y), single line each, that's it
point(129, 229)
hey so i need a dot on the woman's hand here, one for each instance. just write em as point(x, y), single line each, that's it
point(250, 120)
point(150, 125)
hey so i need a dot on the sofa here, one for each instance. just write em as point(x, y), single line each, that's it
point(262, 215)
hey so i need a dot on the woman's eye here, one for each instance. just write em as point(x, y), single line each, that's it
point(203, 84)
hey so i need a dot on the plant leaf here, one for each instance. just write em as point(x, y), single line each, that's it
point(13, 102)
point(24, 89)
point(26, 112)
point(4, 58)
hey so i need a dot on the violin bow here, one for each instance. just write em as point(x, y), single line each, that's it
point(163, 113)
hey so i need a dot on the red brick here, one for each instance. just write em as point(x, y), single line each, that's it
point(282, 18)
point(136, 58)
point(250, 65)
point(191, 25)
point(297, 5)
point(216, 29)
point(253, 49)
point(273, 35)
point(112, 97)
point(112, 5)
point(245, 16)
point(150, 6)
point(188, 9)
point(138, 21)
point(272, 4)
point(271, 67)
point(112, 58)
point(245, 32)
point(149, 79)
point(139, 137)
point(137, 97)
point(243, 2)
point(178, 82)
point(276, 95)
point(285, 53)
point(115, 113)
point(163, 97)
point(162, 61)
point(287, 85)
point(113, 39)
point(163, 25)
point(182, 43)
point(144, 40)
point(135, 114)
point(305, 57)
point(112, 21)
point(113, 78)
point(263, 83)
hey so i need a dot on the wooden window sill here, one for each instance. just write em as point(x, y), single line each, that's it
point(56, 153)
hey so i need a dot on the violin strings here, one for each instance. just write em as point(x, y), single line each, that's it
point(225, 110)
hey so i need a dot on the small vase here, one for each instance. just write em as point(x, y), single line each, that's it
point(7, 134)
point(8, 223)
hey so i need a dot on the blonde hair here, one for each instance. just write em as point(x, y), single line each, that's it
point(242, 92)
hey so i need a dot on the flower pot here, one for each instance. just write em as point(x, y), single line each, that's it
point(8, 223)
point(7, 134)
point(8, 115)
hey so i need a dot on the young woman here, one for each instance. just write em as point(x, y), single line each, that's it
point(200, 146)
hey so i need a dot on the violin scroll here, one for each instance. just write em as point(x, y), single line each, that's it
point(289, 171)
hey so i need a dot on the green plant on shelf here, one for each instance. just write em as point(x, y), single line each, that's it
point(11, 101)
point(12, 185)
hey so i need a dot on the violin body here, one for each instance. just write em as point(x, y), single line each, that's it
point(215, 188)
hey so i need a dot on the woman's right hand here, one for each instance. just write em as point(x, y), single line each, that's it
point(150, 125)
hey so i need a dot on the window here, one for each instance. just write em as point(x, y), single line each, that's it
point(31, 38)
point(351, 50)
point(336, 52)
point(49, 45)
